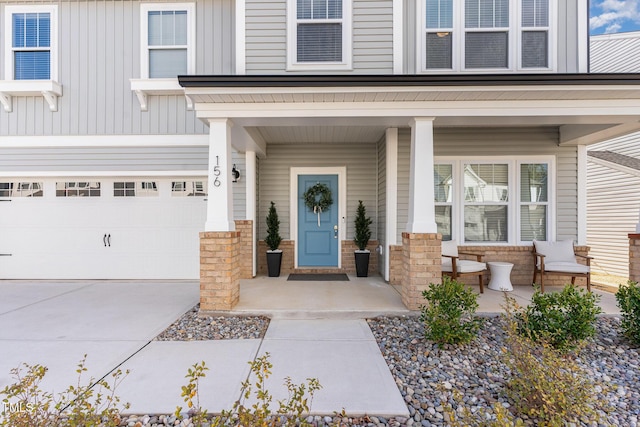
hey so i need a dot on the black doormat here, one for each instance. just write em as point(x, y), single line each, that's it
point(319, 277)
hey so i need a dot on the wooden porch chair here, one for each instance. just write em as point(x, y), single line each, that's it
point(455, 267)
point(559, 258)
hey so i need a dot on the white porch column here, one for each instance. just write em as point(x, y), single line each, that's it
point(250, 203)
point(391, 223)
point(582, 195)
point(422, 218)
point(220, 196)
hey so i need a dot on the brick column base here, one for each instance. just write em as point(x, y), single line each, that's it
point(421, 260)
point(245, 227)
point(219, 270)
point(634, 257)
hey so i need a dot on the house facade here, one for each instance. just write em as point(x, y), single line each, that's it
point(613, 211)
point(122, 122)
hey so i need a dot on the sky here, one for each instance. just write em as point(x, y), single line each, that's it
point(614, 16)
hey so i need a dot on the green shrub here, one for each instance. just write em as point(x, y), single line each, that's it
point(448, 316)
point(562, 319)
point(25, 404)
point(545, 383)
point(628, 298)
point(273, 238)
point(363, 227)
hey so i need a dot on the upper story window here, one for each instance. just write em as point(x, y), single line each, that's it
point(319, 34)
point(31, 42)
point(486, 35)
point(168, 40)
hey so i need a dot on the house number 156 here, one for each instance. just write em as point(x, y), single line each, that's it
point(216, 172)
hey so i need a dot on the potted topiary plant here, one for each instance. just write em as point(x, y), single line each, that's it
point(361, 239)
point(273, 239)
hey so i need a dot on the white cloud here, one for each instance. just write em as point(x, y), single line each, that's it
point(613, 14)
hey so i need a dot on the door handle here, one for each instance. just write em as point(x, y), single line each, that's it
point(335, 231)
point(104, 240)
point(109, 240)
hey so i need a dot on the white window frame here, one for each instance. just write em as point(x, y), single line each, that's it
point(513, 206)
point(292, 40)
point(9, 11)
point(458, 43)
point(145, 8)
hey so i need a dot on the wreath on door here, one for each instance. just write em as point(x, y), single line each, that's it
point(318, 199)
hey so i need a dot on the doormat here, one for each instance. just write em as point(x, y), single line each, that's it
point(338, 277)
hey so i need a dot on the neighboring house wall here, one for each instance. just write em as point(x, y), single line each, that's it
point(615, 53)
point(359, 159)
point(98, 52)
point(266, 37)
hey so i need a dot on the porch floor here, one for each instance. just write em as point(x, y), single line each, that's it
point(360, 297)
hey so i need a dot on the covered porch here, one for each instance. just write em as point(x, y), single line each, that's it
point(386, 138)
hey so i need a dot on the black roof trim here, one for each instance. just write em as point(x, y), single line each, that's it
point(342, 80)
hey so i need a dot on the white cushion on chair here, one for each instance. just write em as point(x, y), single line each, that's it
point(566, 267)
point(560, 251)
point(449, 247)
point(463, 265)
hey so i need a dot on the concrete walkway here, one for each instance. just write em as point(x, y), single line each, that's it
point(316, 331)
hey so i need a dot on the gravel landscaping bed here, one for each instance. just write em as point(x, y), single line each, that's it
point(191, 327)
point(423, 369)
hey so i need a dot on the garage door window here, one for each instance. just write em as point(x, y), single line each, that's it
point(20, 189)
point(188, 188)
point(78, 189)
point(135, 189)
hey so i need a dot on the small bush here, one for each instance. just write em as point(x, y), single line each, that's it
point(27, 405)
point(545, 384)
point(561, 319)
point(448, 316)
point(628, 298)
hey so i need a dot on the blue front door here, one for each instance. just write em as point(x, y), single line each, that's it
point(317, 233)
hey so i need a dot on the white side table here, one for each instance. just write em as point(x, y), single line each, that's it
point(500, 276)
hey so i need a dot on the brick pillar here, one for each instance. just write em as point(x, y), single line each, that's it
point(219, 270)
point(634, 257)
point(245, 227)
point(421, 259)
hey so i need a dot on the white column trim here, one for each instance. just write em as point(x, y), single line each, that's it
point(250, 201)
point(241, 19)
point(422, 217)
point(398, 56)
point(220, 191)
point(583, 37)
point(582, 194)
point(391, 179)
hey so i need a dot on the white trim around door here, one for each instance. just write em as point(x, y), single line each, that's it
point(341, 171)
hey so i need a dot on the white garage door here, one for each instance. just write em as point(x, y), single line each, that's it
point(92, 228)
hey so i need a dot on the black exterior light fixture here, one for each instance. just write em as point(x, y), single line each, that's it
point(236, 173)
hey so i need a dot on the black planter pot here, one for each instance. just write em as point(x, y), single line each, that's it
point(362, 263)
point(274, 260)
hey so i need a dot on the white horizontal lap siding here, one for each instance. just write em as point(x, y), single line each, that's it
point(612, 213)
point(66, 159)
point(373, 36)
point(361, 164)
point(629, 145)
point(479, 142)
point(615, 53)
point(266, 36)
point(99, 52)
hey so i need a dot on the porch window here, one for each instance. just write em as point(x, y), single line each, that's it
point(168, 40)
point(319, 32)
point(493, 202)
point(31, 42)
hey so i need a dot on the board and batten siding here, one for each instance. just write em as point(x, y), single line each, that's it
point(612, 213)
point(482, 142)
point(98, 52)
point(266, 37)
point(360, 161)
